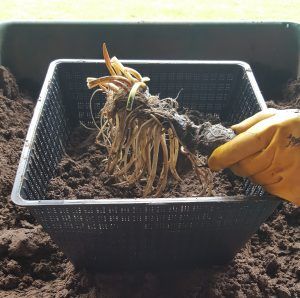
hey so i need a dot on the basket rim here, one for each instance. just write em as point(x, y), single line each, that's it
point(16, 191)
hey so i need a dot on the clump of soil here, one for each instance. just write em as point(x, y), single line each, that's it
point(32, 266)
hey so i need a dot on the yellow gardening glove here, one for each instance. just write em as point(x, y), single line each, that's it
point(267, 150)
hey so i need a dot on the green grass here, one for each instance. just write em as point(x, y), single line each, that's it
point(151, 10)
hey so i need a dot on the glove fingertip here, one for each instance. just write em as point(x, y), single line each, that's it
point(213, 163)
point(237, 128)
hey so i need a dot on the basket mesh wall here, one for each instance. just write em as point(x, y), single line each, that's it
point(102, 237)
point(218, 89)
point(138, 235)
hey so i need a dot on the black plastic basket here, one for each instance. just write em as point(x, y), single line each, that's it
point(140, 233)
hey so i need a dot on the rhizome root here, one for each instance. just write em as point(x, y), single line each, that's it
point(140, 132)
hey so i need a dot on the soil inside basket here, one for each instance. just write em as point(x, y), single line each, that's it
point(31, 265)
point(81, 173)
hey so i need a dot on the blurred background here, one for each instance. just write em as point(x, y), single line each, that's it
point(154, 10)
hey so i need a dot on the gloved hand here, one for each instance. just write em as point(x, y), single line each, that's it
point(267, 150)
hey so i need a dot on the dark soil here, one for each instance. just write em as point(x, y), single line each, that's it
point(32, 266)
point(81, 175)
point(291, 97)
